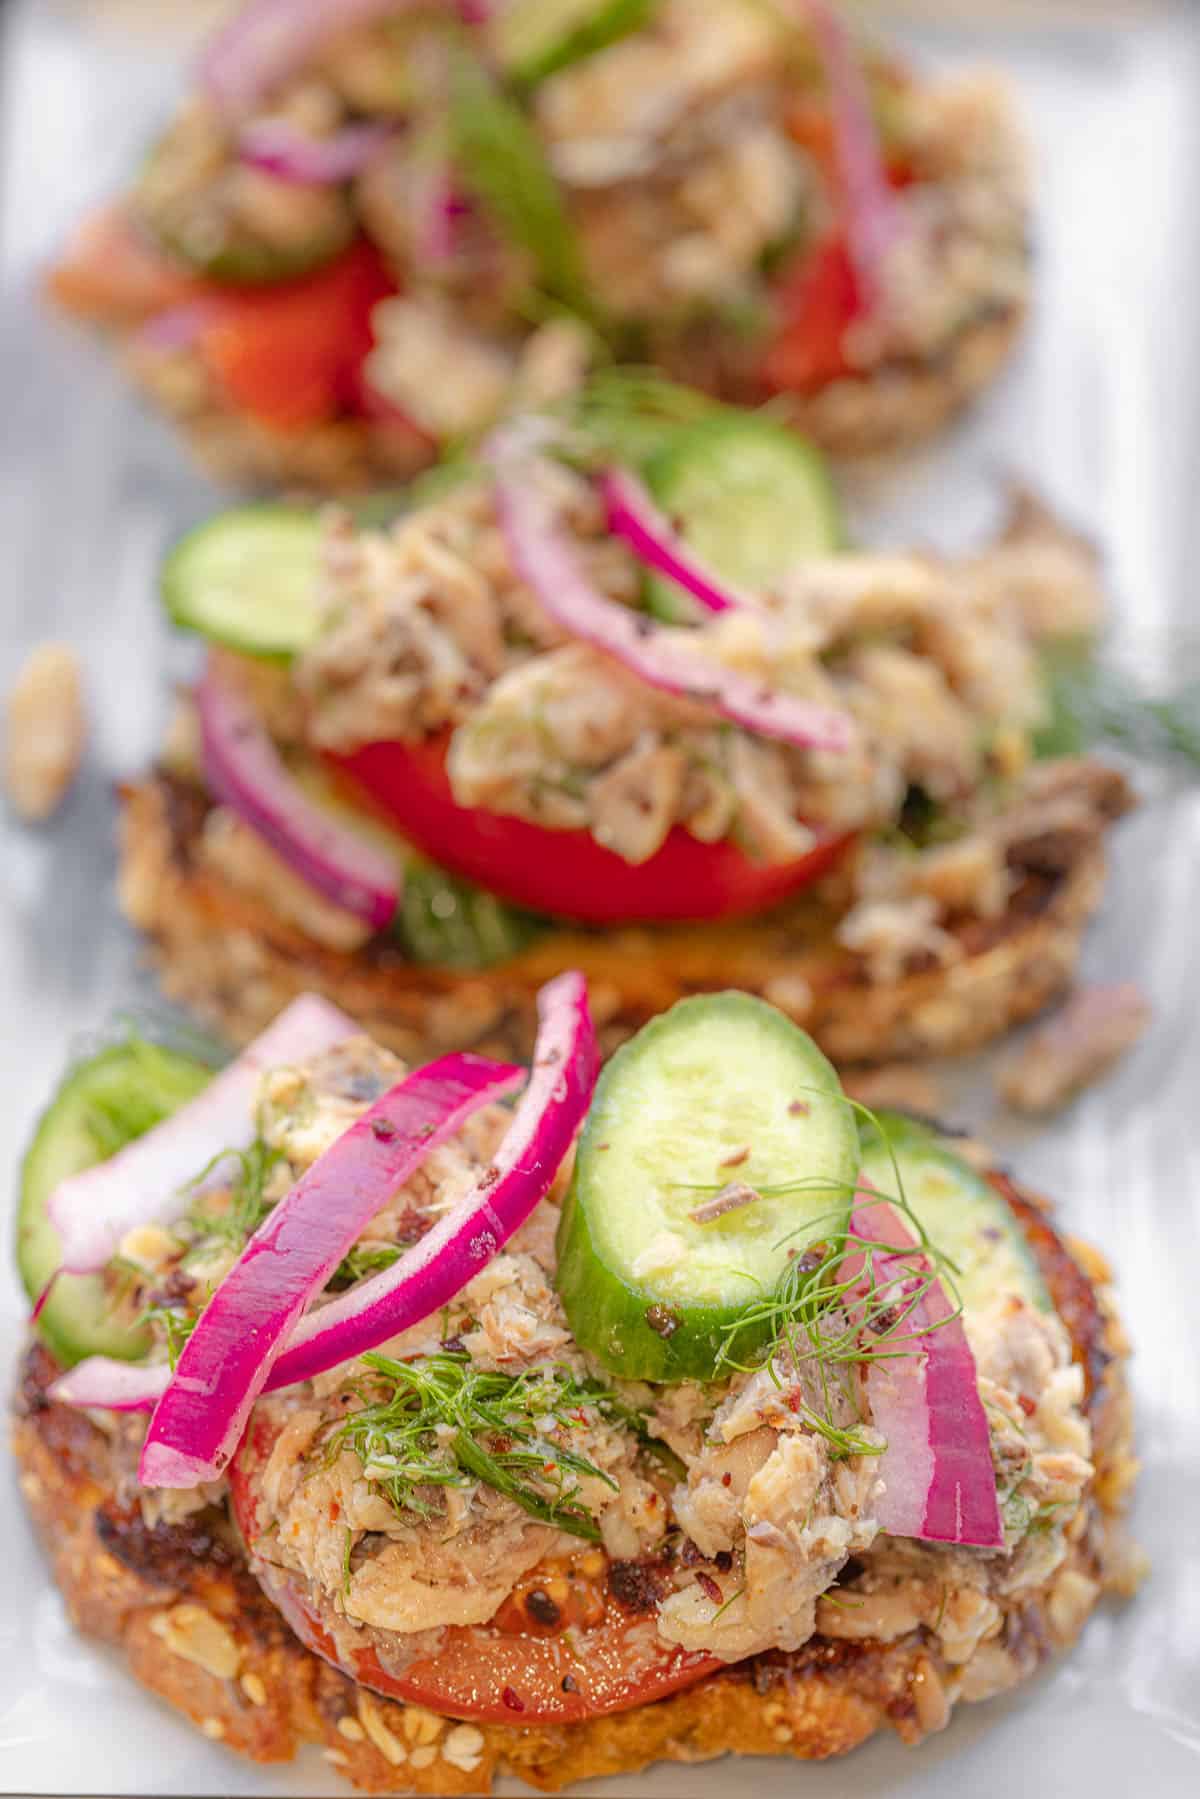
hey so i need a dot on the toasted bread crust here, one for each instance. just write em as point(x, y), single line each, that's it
point(875, 413)
point(903, 403)
point(231, 959)
point(251, 1685)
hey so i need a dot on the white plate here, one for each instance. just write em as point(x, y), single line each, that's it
point(1100, 410)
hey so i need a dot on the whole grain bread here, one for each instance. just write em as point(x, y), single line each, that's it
point(236, 963)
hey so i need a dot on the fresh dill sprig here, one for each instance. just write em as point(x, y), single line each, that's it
point(1090, 702)
point(441, 1421)
point(176, 1324)
point(134, 1106)
point(364, 1259)
point(233, 1226)
point(628, 414)
point(843, 1300)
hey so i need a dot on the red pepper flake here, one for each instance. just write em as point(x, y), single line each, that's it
point(512, 1701)
point(1027, 1405)
point(799, 1108)
point(737, 1158)
point(335, 1510)
point(383, 1130)
point(727, 1479)
point(709, 1587)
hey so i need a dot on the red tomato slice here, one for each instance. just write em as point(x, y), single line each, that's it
point(598, 1656)
point(111, 273)
point(291, 355)
point(567, 873)
point(816, 299)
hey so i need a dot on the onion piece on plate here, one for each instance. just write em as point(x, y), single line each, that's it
point(429, 1274)
point(633, 515)
point(922, 1388)
point(245, 771)
point(224, 1364)
point(279, 148)
point(152, 1180)
point(544, 558)
point(873, 219)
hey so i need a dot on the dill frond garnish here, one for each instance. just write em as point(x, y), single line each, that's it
point(1090, 702)
point(629, 413)
point(162, 1082)
point(176, 1324)
point(364, 1259)
point(233, 1225)
point(441, 1421)
point(842, 1301)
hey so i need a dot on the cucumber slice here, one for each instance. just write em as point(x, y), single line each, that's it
point(721, 1089)
point(100, 1106)
point(249, 579)
point(750, 496)
point(962, 1214)
point(536, 38)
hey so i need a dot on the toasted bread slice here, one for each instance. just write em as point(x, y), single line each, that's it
point(234, 961)
point(196, 1629)
point(881, 411)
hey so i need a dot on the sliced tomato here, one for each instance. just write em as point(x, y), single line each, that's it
point(291, 355)
point(817, 298)
point(111, 273)
point(567, 873)
point(577, 1653)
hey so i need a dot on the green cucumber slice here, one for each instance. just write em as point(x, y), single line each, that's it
point(249, 579)
point(961, 1213)
point(101, 1105)
point(536, 38)
point(750, 496)
point(721, 1089)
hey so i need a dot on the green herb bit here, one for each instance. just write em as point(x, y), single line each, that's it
point(453, 924)
point(1089, 703)
point(161, 1088)
point(364, 1259)
point(824, 1323)
point(630, 414)
point(248, 1206)
point(176, 1324)
point(443, 1422)
point(501, 161)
